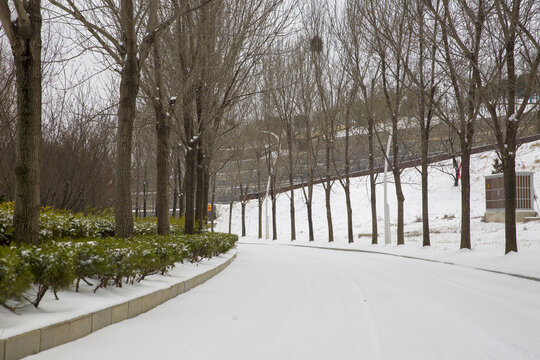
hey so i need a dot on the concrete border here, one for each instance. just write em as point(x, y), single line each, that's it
point(32, 342)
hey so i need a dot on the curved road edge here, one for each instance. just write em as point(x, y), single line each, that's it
point(521, 276)
point(35, 341)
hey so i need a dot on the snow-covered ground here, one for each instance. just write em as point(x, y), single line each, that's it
point(278, 302)
point(72, 304)
point(444, 206)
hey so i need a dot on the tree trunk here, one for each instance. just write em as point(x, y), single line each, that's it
point(137, 191)
point(374, 230)
point(309, 197)
point(349, 213)
point(274, 221)
point(145, 192)
point(230, 215)
point(206, 191)
point(400, 202)
point(27, 55)
point(509, 167)
point(457, 171)
point(327, 193)
point(199, 193)
point(214, 212)
point(259, 199)
point(424, 122)
point(293, 222)
point(129, 87)
point(243, 205)
point(424, 133)
point(508, 160)
point(181, 200)
point(291, 183)
point(465, 198)
point(175, 192)
point(260, 215)
point(309, 204)
point(189, 192)
point(231, 203)
point(162, 132)
point(162, 179)
point(189, 176)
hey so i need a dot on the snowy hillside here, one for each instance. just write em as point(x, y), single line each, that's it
point(444, 204)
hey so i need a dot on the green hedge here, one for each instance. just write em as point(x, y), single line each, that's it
point(56, 224)
point(57, 265)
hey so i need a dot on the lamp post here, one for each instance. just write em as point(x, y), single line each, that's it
point(386, 207)
point(267, 226)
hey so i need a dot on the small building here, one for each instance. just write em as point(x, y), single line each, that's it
point(524, 197)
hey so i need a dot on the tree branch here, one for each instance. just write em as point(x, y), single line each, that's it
point(97, 32)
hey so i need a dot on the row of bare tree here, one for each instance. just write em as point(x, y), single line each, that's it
point(193, 60)
point(373, 68)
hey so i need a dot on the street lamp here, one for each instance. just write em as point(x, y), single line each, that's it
point(386, 207)
point(266, 228)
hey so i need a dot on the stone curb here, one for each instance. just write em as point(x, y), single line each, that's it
point(32, 342)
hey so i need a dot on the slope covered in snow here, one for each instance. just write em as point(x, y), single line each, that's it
point(444, 209)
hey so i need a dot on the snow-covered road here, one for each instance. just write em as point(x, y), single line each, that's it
point(283, 302)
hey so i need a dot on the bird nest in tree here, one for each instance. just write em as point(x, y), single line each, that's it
point(316, 44)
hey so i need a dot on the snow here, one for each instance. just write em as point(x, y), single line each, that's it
point(72, 304)
point(282, 302)
point(487, 239)
point(278, 300)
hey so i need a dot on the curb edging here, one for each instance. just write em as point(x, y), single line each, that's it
point(35, 341)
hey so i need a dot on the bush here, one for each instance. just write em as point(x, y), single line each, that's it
point(111, 261)
point(51, 267)
point(56, 224)
point(15, 275)
point(6, 223)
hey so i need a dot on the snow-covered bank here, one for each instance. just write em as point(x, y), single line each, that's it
point(445, 208)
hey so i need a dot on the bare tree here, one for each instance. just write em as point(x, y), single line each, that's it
point(388, 18)
point(305, 102)
point(356, 44)
point(325, 84)
point(513, 49)
point(425, 81)
point(462, 27)
point(222, 45)
point(244, 172)
point(117, 32)
point(24, 35)
point(280, 80)
point(421, 66)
